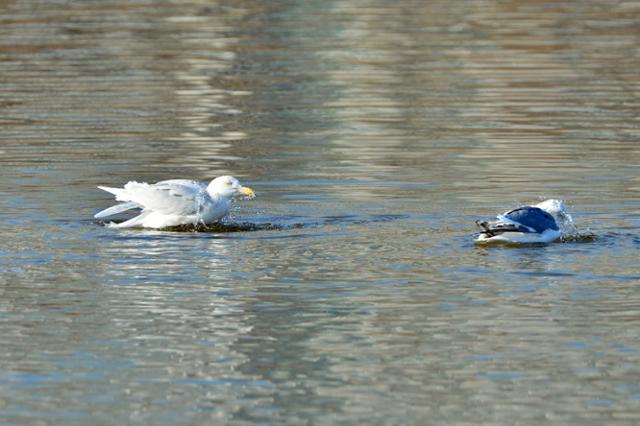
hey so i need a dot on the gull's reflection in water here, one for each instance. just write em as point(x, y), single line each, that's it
point(530, 262)
point(173, 299)
point(159, 257)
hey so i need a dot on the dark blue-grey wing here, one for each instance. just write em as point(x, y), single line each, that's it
point(532, 217)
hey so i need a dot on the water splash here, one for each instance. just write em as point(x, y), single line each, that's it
point(585, 237)
point(224, 227)
point(221, 227)
point(568, 229)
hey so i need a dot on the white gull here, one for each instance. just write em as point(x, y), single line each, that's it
point(174, 202)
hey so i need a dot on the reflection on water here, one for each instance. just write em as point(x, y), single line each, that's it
point(375, 135)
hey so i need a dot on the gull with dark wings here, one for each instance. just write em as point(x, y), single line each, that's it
point(541, 223)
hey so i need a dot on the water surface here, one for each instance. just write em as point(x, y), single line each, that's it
point(375, 134)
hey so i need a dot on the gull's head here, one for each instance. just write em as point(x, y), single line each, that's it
point(229, 187)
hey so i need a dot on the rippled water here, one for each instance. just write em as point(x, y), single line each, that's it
point(375, 134)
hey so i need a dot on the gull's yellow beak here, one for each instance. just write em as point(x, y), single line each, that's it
point(248, 192)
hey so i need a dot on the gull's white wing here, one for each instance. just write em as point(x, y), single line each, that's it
point(183, 182)
point(178, 197)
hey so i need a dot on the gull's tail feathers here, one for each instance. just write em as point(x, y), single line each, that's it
point(118, 208)
point(114, 191)
point(500, 227)
point(124, 194)
point(134, 222)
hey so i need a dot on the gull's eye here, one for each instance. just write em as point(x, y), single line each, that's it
point(228, 183)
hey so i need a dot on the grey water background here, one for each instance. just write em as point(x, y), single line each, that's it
point(375, 133)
